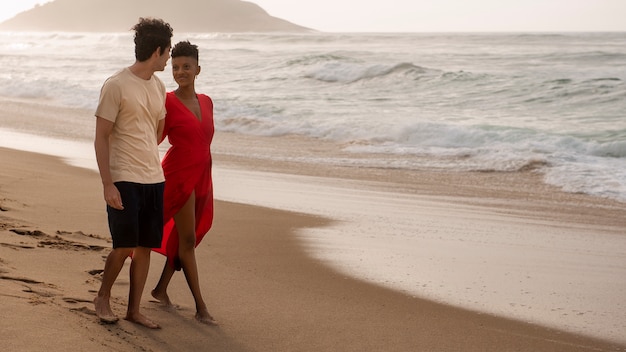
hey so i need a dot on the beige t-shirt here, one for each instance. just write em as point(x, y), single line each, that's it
point(135, 106)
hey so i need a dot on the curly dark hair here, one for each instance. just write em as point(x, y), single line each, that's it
point(150, 34)
point(185, 48)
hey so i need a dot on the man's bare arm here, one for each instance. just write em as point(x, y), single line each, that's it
point(101, 145)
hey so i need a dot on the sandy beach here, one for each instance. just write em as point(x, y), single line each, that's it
point(258, 275)
point(504, 262)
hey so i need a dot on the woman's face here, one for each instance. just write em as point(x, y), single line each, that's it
point(185, 69)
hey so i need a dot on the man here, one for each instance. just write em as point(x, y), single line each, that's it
point(129, 123)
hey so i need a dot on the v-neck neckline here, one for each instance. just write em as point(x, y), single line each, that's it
point(198, 118)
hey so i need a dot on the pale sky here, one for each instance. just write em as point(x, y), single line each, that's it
point(431, 15)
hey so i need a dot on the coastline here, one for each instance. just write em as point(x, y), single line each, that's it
point(523, 190)
point(482, 237)
point(498, 243)
point(261, 284)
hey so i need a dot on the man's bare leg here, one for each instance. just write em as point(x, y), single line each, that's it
point(138, 275)
point(112, 267)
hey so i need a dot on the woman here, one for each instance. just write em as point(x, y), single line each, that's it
point(188, 197)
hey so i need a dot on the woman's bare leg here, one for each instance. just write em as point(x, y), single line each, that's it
point(185, 221)
point(160, 291)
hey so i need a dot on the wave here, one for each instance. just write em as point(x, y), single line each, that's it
point(317, 58)
point(349, 72)
point(424, 138)
point(597, 91)
point(611, 149)
point(53, 39)
point(51, 90)
point(576, 163)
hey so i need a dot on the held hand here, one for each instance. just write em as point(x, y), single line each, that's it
point(112, 197)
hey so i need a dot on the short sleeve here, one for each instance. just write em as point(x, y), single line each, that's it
point(110, 100)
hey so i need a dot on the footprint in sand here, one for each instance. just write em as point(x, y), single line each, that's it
point(59, 242)
point(95, 272)
point(38, 292)
point(22, 279)
point(84, 310)
point(23, 232)
point(76, 300)
point(16, 246)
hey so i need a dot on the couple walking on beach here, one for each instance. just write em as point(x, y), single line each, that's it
point(152, 205)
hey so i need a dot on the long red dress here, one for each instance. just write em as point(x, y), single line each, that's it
point(187, 168)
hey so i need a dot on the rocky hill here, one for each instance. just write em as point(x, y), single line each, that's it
point(121, 15)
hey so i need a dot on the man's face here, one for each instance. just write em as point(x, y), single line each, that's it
point(162, 59)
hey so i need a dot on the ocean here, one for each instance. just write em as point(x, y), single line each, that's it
point(553, 103)
point(489, 102)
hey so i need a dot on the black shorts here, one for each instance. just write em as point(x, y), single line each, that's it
point(140, 223)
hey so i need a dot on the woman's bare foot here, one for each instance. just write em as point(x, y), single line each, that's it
point(163, 298)
point(142, 320)
point(205, 318)
point(103, 311)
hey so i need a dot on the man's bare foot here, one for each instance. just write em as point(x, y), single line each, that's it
point(205, 318)
point(163, 298)
point(103, 311)
point(142, 320)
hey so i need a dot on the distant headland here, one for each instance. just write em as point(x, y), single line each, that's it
point(121, 15)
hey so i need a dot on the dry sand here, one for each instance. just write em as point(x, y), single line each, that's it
point(258, 281)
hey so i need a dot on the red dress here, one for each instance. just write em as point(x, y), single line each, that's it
point(187, 168)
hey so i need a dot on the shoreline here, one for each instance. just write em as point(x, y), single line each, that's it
point(497, 243)
point(263, 287)
point(532, 253)
point(556, 289)
point(523, 191)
